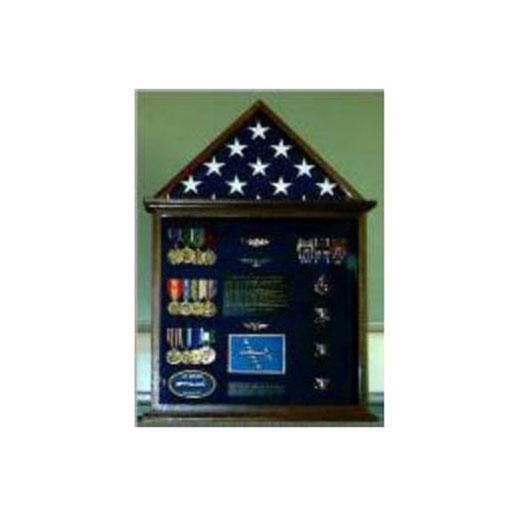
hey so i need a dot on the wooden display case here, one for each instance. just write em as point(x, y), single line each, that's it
point(259, 283)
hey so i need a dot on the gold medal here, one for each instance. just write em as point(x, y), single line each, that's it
point(196, 357)
point(211, 257)
point(188, 255)
point(175, 256)
point(199, 257)
point(202, 260)
point(186, 357)
point(198, 309)
point(210, 309)
point(185, 308)
point(174, 308)
point(208, 355)
point(172, 256)
point(173, 356)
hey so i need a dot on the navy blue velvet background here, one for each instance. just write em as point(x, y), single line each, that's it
point(296, 323)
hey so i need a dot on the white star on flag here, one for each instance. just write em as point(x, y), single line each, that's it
point(304, 168)
point(281, 149)
point(326, 187)
point(259, 167)
point(214, 166)
point(280, 186)
point(236, 185)
point(191, 185)
point(236, 148)
point(258, 130)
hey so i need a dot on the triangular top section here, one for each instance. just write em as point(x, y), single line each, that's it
point(259, 158)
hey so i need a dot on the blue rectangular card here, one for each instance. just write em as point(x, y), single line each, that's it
point(256, 354)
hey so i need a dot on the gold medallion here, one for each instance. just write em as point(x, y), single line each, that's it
point(211, 257)
point(202, 258)
point(173, 356)
point(185, 308)
point(174, 308)
point(188, 255)
point(186, 357)
point(208, 355)
point(198, 308)
point(196, 357)
point(210, 309)
point(172, 256)
point(199, 257)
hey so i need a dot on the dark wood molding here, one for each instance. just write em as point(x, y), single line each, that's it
point(259, 209)
point(362, 311)
point(156, 308)
point(259, 107)
point(265, 413)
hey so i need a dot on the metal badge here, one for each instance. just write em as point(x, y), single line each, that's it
point(255, 242)
point(321, 384)
point(255, 326)
point(192, 384)
point(322, 285)
point(255, 263)
point(321, 315)
point(321, 350)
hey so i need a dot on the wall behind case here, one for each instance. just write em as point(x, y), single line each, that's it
point(345, 128)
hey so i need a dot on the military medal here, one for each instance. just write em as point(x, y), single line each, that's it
point(169, 336)
point(321, 350)
point(188, 255)
point(176, 238)
point(338, 250)
point(174, 339)
point(196, 357)
point(210, 242)
point(322, 286)
point(185, 307)
point(198, 296)
point(174, 356)
point(326, 251)
point(190, 346)
point(305, 249)
point(174, 288)
point(321, 384)
point(197, 241)
point(207, 355)
point(193, 293)
point(321, 315)
point(210, 309)
point(173, 256)
point(211, 257)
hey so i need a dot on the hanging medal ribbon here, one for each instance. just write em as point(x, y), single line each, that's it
point(178, 338)
point(186, 289)
point(212, 289)
point(174, 288)
point(210, 239)
point(199, 238)
point(202, 290)
point(194, 290)
point(169, 337)
point(177, 237)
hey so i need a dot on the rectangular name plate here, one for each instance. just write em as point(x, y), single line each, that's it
point(256, 389)
point(256, 354)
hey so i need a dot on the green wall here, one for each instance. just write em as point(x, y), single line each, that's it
point(344, 127)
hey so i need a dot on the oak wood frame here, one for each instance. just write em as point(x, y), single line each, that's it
point(242, 414)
